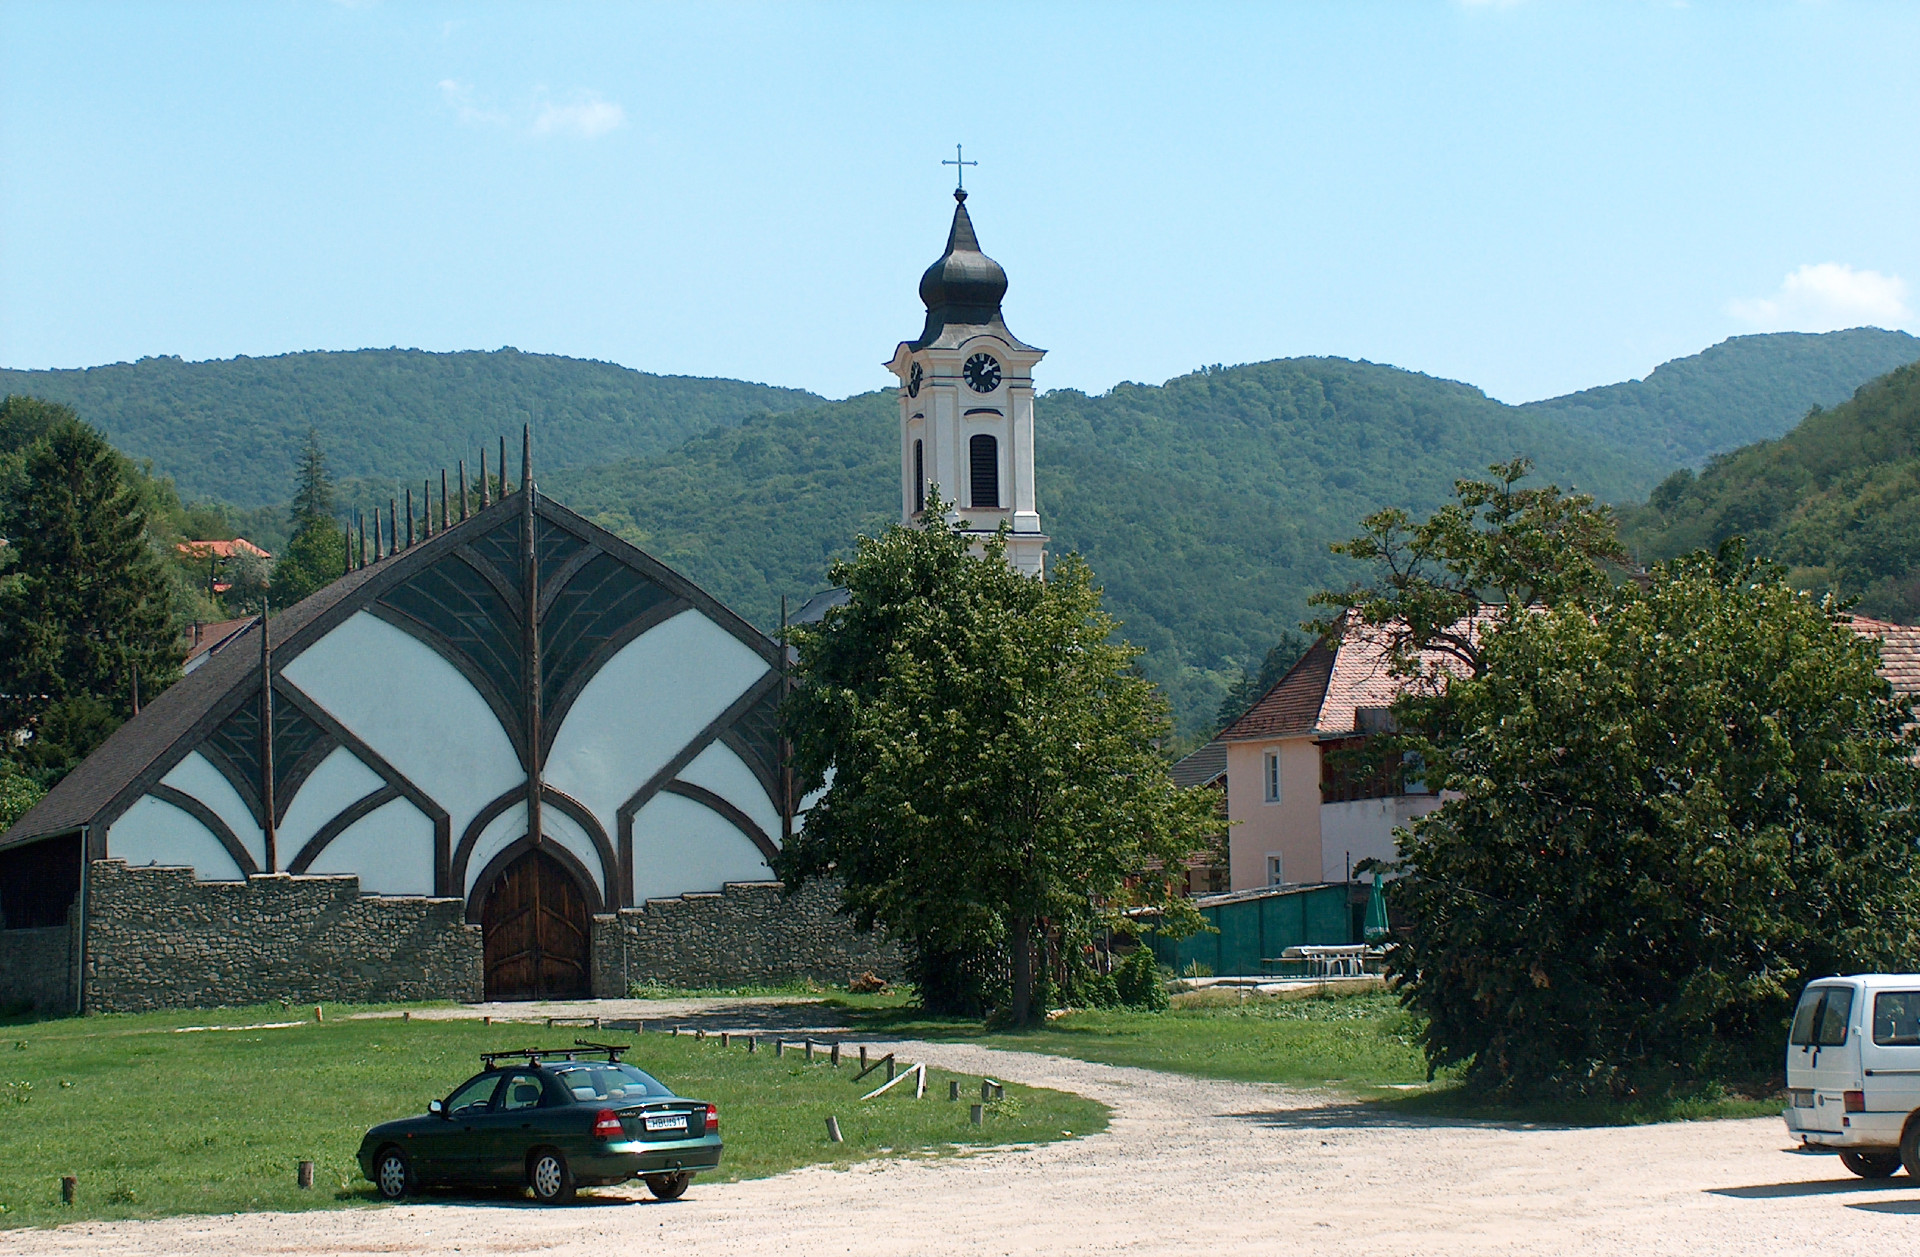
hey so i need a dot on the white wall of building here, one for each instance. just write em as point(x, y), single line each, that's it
point(196, 775)
point(339, 781)
point(390, 849)
point(414, 709)
point(1363, 829)
point(718, 769)
point(680, 846)
point(563, 831)
point(153, 832)
point(500, 833)
point(643, 707)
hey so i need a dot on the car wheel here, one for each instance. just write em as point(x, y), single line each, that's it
point(550, 1178)
point(1871, 1164)
point(391, 1174)
point(669, 1186)
point(1910, 1148)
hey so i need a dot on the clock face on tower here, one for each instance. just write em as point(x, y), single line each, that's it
point(982, 373)
point(913, 380)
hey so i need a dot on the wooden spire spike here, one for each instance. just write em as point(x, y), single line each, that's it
point(376, 534)
point(426, 507)
point(483, 477)
point(363, 537)
point(526, 457)
point(463, 490)
point(409, 517)
point(443, 499)
point(393, 527)
point(503, 468)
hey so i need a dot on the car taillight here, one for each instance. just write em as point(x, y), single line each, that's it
point(606, 1125)
point(713, 1118)
point(1856, 1102)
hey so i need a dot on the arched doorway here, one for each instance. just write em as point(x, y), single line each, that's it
point(537, 932)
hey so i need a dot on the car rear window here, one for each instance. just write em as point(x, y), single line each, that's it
point(1821, 1019)
point(608, 1082)
point(1896, 1018)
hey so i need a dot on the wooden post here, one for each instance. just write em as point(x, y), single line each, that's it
point(833, 1130)
point(833, 1056)
point(376, 532)
point(700, 1035)
point(426, 506)
point(953, 1089)
point(530, 643)
point(409, 517)
point(782, 750)
point(726, 1039)
point(986, 1089)
point(809, 1051)
point(304, 1175)
point(483, 477)
point(318, 1014)
point(975, 1113)
point(463, 490)
point(393, 527)
point(266, 745)
point(486, 1021)
point(753, 1044)
point(863, 1058)
point(363, 537)
point(889, 1067)
point(69, 1186)
point(779, 1046)
point(406, 1015)
point(920, 1081)
point(503, 468)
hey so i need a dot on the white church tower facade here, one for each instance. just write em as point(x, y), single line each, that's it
point(966, 403)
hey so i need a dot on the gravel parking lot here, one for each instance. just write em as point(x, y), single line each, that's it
point(1187, 1166)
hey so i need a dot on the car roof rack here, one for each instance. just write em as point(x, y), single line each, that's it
point(533, 1056)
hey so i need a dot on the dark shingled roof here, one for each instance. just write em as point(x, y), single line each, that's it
point(962, 289)
point(1293, 705)
point(132, 748)
point(1204, 767)
point(1899, 651)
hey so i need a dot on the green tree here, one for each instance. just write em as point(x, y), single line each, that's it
point(1495, 547)
point(1673, 805)
point(85, 608)
point(316, 553)
point(995, 791)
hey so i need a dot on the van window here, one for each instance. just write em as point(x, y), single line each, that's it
point(1821, 1019)
point(1896, 1018)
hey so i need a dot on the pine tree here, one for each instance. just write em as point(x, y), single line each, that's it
point(314, 497)
point(316, 553)
point(85, 608)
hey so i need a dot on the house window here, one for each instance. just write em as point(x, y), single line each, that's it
point(1276, 875)
point(919, 476)
point(983, 456)
point(1271, 776)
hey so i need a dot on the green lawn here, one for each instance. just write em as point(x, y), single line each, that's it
point(1361, 1045)
point(158, 1119)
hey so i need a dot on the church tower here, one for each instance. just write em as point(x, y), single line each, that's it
point(966, 402)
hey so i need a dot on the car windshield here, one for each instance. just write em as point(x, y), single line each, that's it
point(608, 1082)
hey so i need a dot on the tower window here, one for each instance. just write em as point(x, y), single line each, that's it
point(919, 476)
point(984, 458)
point(1271, 772)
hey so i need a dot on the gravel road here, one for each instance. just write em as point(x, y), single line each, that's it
point(1188, 1166)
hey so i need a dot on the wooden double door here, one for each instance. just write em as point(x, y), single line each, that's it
point(537, 931)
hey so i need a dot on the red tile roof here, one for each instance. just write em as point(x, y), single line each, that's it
point(205, 637)
point(1899, 651)
point(222, 549)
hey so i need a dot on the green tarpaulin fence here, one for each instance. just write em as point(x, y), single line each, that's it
point(1256, 926)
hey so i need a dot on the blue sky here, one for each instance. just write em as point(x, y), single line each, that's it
point(1533, 197)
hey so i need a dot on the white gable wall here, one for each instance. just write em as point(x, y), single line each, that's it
point(643, 707)
point(500, 833)
point(562, 830)
point(196, 775)
point(718, 769)
point(415, 709)
point(680, 845)
point(340, 780)
point(390, 849)
point(153, 832)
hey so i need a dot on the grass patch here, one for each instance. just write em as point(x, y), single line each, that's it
point(155, 1121)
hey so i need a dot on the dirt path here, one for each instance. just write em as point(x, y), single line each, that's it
point(1188, 1166)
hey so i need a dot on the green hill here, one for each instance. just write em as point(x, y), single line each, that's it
point(1748, 388)
point(1204, 505)
point(230, 429)
point(1837, 500)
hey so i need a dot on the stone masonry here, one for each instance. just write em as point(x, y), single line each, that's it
point(156, 938)
point(750, 933)
point(38, 967)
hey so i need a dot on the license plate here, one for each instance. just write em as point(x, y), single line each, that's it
point(1802, 1099)
point(666, 1121)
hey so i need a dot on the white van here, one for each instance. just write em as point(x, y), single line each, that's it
point(1853, 1071)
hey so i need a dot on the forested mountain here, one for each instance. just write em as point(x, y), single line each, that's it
point(1747, 388)
point(1837, 500)
point(1204, 505)
point(230, 429)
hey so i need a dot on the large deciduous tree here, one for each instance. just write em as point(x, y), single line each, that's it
point(84, 609)
point(996, 792)
point(1675, 803)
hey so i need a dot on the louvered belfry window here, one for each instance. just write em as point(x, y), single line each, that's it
point(984, 456)
point(919, 477)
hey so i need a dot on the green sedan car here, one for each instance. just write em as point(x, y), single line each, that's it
point(551, 1122)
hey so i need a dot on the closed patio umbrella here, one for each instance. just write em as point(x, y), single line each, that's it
point(1376, 927)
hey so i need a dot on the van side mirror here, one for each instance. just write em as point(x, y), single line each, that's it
point(434, 1106)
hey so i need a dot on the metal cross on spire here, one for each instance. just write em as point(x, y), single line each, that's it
point(960, 175)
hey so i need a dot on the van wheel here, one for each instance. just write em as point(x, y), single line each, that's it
point(1872, 1164)
point(1910, 1148)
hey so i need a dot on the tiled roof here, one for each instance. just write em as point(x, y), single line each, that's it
point(1325, 691)
point(1899, 651)
point(1203, 767)
point(224, 549)
point(210, 637)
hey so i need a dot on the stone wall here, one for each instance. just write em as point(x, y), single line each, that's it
point(37, 968)
point(156, 938)
point(749, 933)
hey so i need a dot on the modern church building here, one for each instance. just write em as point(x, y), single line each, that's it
point(515, 758)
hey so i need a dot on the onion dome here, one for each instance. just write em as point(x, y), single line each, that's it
point(965, 285)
